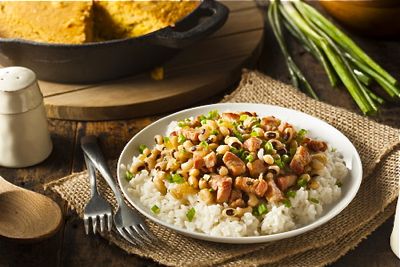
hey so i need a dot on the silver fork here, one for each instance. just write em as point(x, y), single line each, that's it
point(128, 222)
point(97, 207)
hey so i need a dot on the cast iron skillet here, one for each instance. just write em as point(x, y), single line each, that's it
point(100, 61)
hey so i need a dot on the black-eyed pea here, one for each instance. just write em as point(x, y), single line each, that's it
point(241, 211)
point(253, 200)
point(203, 184)
point(193, 181)
point(159, 182)
point(268, 159)
point(194, 172)
point(222, 149)
point(223, 171)
point(224, 131)
point(158, 139)
point(206, 196)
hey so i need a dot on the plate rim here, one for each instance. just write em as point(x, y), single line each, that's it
point(245, 239)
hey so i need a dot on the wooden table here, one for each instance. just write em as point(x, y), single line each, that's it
point(71, 247)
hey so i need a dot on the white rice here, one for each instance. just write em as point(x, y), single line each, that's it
point(209, 219)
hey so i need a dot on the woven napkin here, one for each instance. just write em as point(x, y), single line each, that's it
point(379, 149)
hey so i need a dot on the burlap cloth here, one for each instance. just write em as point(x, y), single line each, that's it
point(378, 146)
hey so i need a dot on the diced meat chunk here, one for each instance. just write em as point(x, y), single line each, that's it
point(198, 160)
point(271, 121)
point(230, 116)
point(210, 159)
point(234, 164)
point(284, 182)
point(190, 134)
point(317, 146)
point(273, 194)
point(223, 186)
point(250, 185)
point(283, 126)
point(300, 160)
point(256, 167)
point(252, 144)
point(235, 199)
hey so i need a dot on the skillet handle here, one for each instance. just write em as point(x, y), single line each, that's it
point(215, 15)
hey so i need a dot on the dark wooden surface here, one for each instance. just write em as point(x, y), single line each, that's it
point(71, 247)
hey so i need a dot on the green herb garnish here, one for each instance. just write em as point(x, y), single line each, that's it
point(190, 214)
point(255, 134)
point(302, 182)
point(142, 148)
point(269, 148)
point(212, 115)
point(181, 139)
point(262, 209)
point(249, 158)
point(290, 193)
point(238, 135)
point(166, 139)
point(155, 209)
point(285, 158)
point(279, 163)
point(287, 203)
point(176, 178)
point(301, 134)
point(128, 175)
point(214, 132)
point(314, 200)
point(243, 117)
point(203, 144)
point(169, 178)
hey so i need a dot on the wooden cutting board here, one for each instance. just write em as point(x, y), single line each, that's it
point(200, 71)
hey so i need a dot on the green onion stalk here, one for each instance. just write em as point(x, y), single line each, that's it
point(340, 57)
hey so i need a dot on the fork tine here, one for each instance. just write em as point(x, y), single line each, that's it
point(86, 223)
point(102, 223)
point(140, 231)
point(109, 221)
point(94, 223)
point(126, 237)
point(134, 235)
point(148, 233)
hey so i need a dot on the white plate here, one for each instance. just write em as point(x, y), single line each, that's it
point(317, 129)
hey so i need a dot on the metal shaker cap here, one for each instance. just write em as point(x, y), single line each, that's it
point(19, 90)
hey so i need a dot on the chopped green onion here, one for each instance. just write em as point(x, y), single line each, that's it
point(203, 122)
point(250, 158)
point(211, 190)
point(262, 209)
point(301, 134)
point(142, 148)
point(243, 117)
point(214, 132)
point(176, 178)
point(287, 203)
point(314, 200)
point(166, 139)
point(212, 115)
point(155, 209)
point(169, 178)
point(203, 144)
point(291, 193)
point(181, 139)
point(302, 182)
point(190, 214)
point(292, 151)
point(269, 148)
point(128, 175)
point(279, 162)
point(238, 135)
point(285, 158)
point(255, 134)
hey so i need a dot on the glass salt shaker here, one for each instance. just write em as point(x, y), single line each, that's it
point(24, 135)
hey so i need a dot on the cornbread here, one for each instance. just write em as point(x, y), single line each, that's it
point(47, 21)
point(121, 19)
point(75, 22)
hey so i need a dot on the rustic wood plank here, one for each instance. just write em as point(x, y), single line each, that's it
point(45, 253)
